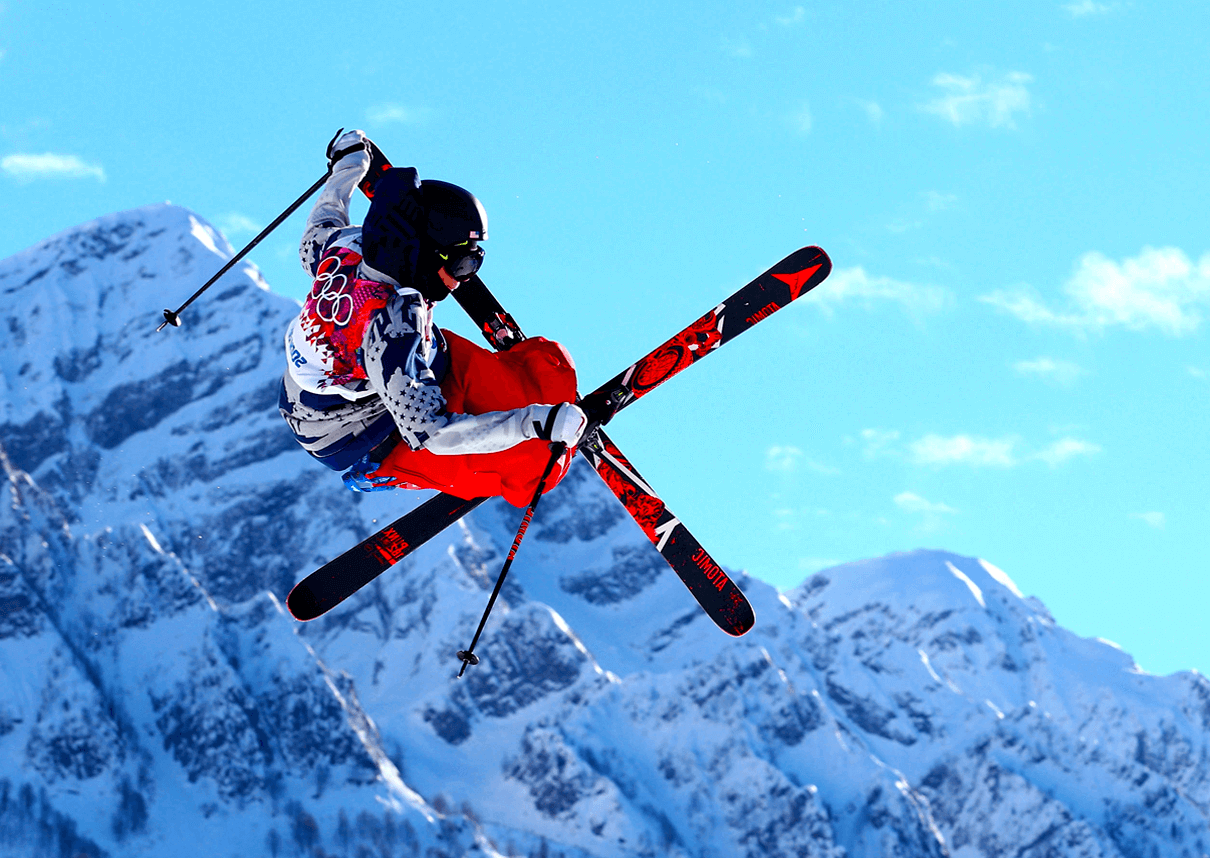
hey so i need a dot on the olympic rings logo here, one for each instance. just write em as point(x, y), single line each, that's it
point(332, 303)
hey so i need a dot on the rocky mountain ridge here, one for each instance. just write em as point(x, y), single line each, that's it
point(157, 697)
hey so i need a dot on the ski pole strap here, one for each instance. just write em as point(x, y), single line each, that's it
point(172, 317)
point(468, 655)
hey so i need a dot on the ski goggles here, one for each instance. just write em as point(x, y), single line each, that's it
point(462, 260)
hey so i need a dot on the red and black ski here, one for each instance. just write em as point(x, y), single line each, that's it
point(786, 281)
point(718, 595)
point(340, 578)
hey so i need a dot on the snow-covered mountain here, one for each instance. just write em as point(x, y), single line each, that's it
point(158, 701)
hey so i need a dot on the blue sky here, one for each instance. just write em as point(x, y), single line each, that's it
point(1009, 361)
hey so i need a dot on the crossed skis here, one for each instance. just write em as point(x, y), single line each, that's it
point(717, 594)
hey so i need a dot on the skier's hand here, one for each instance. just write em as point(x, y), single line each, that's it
point(598, 408)
point(347, 145)
point(565, 424)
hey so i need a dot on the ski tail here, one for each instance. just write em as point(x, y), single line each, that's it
point(336, 580)
point(719, 596)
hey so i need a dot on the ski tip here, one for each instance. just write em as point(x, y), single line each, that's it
point(813, 250)
point(735, 617)
point(825, 259)
point(802, 271)
point(302, 604)
point(812, 255)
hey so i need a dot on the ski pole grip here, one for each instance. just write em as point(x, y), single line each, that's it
point(378, 167)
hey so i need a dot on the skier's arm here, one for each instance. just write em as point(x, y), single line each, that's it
point(397, 372)
point(330, 214)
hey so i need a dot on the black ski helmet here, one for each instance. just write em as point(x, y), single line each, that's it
point(414, 228)
point(454, 214)
point(455, 223)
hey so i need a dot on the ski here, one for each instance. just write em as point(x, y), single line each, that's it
point(788, 280)
point(340, 578)
point(719, 596)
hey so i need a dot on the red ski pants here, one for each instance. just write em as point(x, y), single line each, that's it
point(535, 371)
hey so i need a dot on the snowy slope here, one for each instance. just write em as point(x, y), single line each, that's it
point(156, 697)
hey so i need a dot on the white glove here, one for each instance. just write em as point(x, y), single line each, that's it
point(499, 430)
point(565, 423)
point(351, 145)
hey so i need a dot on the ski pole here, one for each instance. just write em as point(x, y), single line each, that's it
point(173, 317)
point(468, 655)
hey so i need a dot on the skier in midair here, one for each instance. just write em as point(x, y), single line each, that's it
point(373, 388)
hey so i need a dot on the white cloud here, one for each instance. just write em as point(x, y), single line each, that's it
point(912, 502)
point(964, 450)
point(934, 262)
point(902, 225)
point(27, 168)
point(973, 101)
point(235, 223)
point(385, 114)
point(714, 96)
point(1060, 372)
point(878, 441)
point(1198, 372)
point(873, 111)
point(933, 201)
point(801, 119)
point(1153, 519)
point(1084, 8)
point(796, 16)
point(855, 286)
point(973, 451)
point(782, 459)
point(930, 512)
point(739, 48)
point(1160, 289)
point(786, 519)
point(936, 201)
point(792, 518)
point(1064, 449)
point(1004, 452)
point(788, 459)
